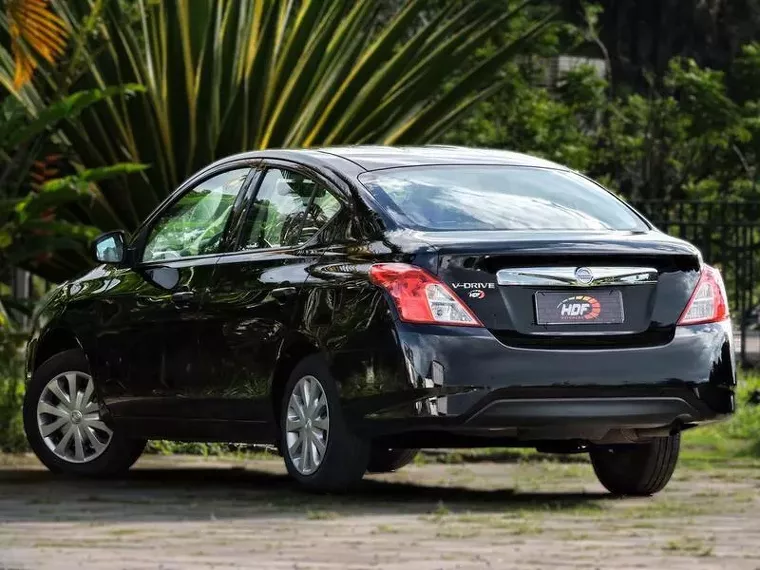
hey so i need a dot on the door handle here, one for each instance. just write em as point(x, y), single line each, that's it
point(282, 293)
point(183, 297)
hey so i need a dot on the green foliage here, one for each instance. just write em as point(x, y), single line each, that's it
point(35, 220)
point(224, 76)
point(739, 436)
point(33, 223)
point(746, 424)
point(12, 438)
point(560, 126)
point(694, 134)
point(163, 447)
point(18, 128)
point(69, 189)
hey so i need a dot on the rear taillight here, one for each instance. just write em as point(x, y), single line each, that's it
point(708, 303)
point(420, 297)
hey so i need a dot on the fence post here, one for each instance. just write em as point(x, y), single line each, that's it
point(21, 290)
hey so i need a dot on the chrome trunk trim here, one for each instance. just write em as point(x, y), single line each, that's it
point(576, 276)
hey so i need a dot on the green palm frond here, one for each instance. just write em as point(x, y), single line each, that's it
point(224, 76)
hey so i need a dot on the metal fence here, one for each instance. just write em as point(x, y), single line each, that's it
point(728, 234)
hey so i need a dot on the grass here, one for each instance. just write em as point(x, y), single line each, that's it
point(689, 545)
point(460, 533)
point(438, 513)
point(231, 450)
point(571, 535)
point(496, 454)
point(125, 531)
point(666, 508)
point(738, 438)
point(524, 528)
point(386, 529)
point(321, 515)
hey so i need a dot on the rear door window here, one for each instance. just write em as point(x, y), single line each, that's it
point(288, 209)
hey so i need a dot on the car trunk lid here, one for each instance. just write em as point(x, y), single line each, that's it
point(570, 289)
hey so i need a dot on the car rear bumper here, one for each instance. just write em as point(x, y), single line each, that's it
point(466, 381)
point(622, 412)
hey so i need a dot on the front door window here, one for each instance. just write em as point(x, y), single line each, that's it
point(194, 224)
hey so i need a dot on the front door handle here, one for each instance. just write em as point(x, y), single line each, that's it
point(282, 293)
point(183, 297)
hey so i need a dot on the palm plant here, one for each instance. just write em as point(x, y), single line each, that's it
point(35, 215)
point(36, 203)
point(224, 76)
point(34, 31)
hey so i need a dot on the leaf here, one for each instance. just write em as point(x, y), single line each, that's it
point(6, 239)
point(25, 307)
point(33, 28)
point(68, 108)
point(43, 246)
point(92, 175)
point(62, 229)
point(68, 189)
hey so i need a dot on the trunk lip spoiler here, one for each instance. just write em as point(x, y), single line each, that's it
point(569, 276)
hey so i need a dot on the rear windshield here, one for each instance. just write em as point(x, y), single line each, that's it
point(497, 198)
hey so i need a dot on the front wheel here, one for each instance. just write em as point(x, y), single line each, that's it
point(63, 423)
point(320, 452)
point(637, 469)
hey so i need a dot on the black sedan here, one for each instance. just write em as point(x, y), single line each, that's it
point(352, 305)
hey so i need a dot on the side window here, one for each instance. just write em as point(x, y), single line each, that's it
point(194, 224)
point(287, 210)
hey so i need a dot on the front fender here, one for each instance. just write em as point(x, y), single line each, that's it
point(46, 317)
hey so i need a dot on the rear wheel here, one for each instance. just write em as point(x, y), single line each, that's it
point(640, 469)
point(384, 460)
point(320, 451)
point(63, 423)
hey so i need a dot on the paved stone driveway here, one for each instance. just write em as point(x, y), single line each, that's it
point(188, 513)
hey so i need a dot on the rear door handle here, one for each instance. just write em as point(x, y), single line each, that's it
point(282, 293)
point(183, 297)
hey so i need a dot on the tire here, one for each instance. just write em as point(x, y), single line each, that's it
point(114, 454)
point(384, 460)
point(342, 460)
point(637, 470)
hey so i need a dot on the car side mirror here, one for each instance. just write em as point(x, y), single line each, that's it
point(110, 247)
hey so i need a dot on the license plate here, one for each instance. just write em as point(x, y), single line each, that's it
point(597, 307)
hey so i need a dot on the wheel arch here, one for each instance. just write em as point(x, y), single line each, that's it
point(54, 341)
point(292, 351)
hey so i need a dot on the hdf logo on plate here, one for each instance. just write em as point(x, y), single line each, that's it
point(580, 307)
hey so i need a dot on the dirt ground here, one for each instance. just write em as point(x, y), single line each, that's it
point(192, 513)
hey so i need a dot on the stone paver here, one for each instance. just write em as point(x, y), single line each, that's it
point(188, 513)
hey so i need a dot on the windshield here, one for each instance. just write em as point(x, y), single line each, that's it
point(498, 198)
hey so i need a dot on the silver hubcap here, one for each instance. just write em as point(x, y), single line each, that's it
point(68, 417)
point(307, 425)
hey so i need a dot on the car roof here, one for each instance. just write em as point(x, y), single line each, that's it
point(377, 157)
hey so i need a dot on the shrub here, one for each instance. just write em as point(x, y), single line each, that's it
point(12, 438)
point(745, 425)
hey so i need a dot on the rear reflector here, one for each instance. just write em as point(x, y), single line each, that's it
point(708, 303)
point(420, 297)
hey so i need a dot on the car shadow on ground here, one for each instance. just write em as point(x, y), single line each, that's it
point(200, 493)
